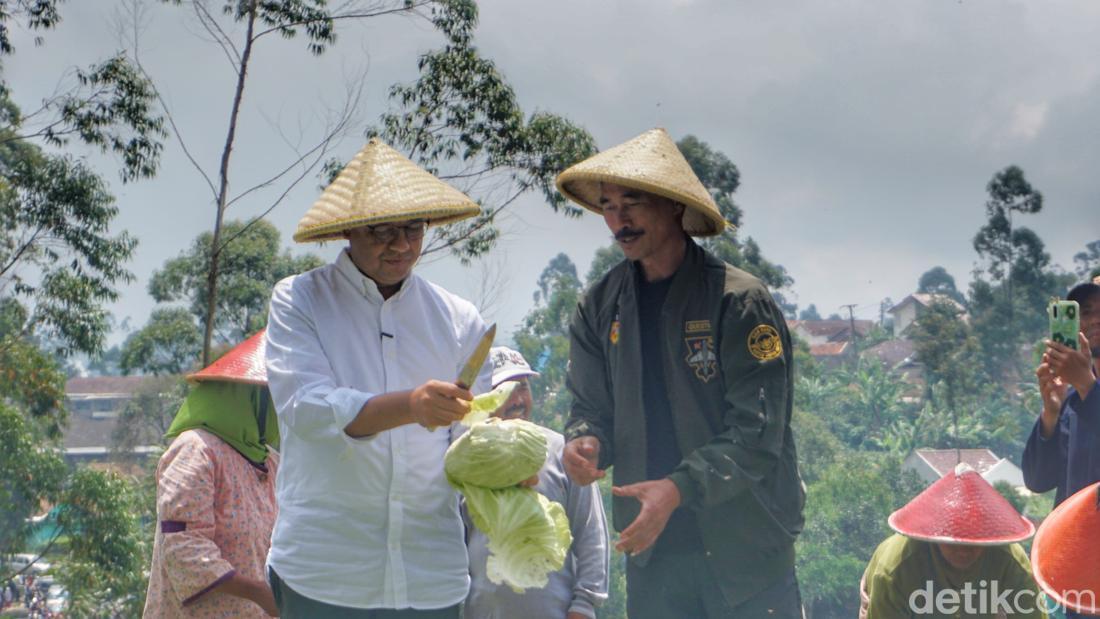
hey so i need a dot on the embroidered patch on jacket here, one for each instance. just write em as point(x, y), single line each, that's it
point(764, 343)
point(614, 335)
point(696, 326)
point(701, 356)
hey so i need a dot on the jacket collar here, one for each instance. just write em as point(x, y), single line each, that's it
point(683, 279)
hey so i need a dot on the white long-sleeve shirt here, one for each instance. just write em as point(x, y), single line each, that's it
point(580, 586)
point(365, 523)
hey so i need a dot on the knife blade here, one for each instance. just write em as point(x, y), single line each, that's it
point(468, 375)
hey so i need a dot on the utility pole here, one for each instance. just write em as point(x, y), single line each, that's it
point(852, 331)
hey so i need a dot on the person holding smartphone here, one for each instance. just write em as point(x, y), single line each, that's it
point(1058, 453)
point(1062, 451)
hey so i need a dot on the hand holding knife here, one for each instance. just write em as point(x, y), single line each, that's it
point(468, 375)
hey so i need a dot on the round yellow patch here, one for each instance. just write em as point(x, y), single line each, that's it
point(764, 343)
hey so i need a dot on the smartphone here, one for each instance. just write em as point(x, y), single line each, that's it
point(1065, 322)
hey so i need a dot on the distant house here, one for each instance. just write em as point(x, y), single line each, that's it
point(913, 306)
point(932, 464)
point(900, 356)
point(829, 340)
point(815, 332)
point(94, 406)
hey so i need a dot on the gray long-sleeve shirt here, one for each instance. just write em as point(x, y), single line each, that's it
point(580, 586)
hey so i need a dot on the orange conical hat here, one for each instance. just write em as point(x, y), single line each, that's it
point(961, 508)
point(244, 364)
point(1064, 555)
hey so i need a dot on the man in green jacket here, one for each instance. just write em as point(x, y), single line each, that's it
point(680, 368)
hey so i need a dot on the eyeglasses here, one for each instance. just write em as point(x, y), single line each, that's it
point(384, 234)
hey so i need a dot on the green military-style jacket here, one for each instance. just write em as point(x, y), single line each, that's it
point(728, 370)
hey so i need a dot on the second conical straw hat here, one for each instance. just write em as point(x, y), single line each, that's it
point(652, 163)
point(245, 363)
point(381, 185)
point(961, 508)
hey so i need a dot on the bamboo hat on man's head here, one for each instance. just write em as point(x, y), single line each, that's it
point(380, 185)
point(652, 163)
point(961, 508)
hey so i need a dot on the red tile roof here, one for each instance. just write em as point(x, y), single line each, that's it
point(828, 349)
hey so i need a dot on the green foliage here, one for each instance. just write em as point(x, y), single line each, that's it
point(721, 177)
point(115, 111)
point(461, 121)
point(1008, 310)
point(111, 106)
point(251, 265)
point(28, 476)
point(604, 260)
point(543, 340)
point(169, 344)
point(108, 550)
point(1009, 493)
point(1009, 192)
point(861, 406)
point(56, 251)
point(846, 513)
point(148, 414)
point(30, 379)
point(818, 447)
point(810, 313)
point(1088, 261)
point(718, 174)
point(948, 350)
point(35, 15)
point(938, 281)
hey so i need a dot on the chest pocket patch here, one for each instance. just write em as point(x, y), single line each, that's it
point(701, 356)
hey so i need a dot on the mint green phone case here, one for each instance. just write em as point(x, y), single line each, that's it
point(1065, 322)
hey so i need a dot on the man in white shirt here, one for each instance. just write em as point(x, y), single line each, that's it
point(574, 591)
point(361, 358)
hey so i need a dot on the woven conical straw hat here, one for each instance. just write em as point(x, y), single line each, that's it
point(381, 185)
point(652, 163)
point(962, 508)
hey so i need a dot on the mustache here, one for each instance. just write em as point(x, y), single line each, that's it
point(627, 232)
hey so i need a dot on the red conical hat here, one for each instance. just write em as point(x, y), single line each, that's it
point(962, 508)
point(1064, 555)
point(243, 364)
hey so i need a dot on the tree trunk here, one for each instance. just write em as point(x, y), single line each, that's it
point(223, 191)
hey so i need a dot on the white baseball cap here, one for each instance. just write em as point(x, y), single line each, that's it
point(508, 364)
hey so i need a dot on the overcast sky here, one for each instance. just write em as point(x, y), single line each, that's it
point(865, 131)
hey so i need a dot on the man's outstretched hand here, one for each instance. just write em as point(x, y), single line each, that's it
point(580, 457)
point(659, 498)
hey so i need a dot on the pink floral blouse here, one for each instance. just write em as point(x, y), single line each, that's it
point(216, 511)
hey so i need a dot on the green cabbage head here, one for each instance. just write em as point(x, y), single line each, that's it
point(496, 453)
point(528, 534)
